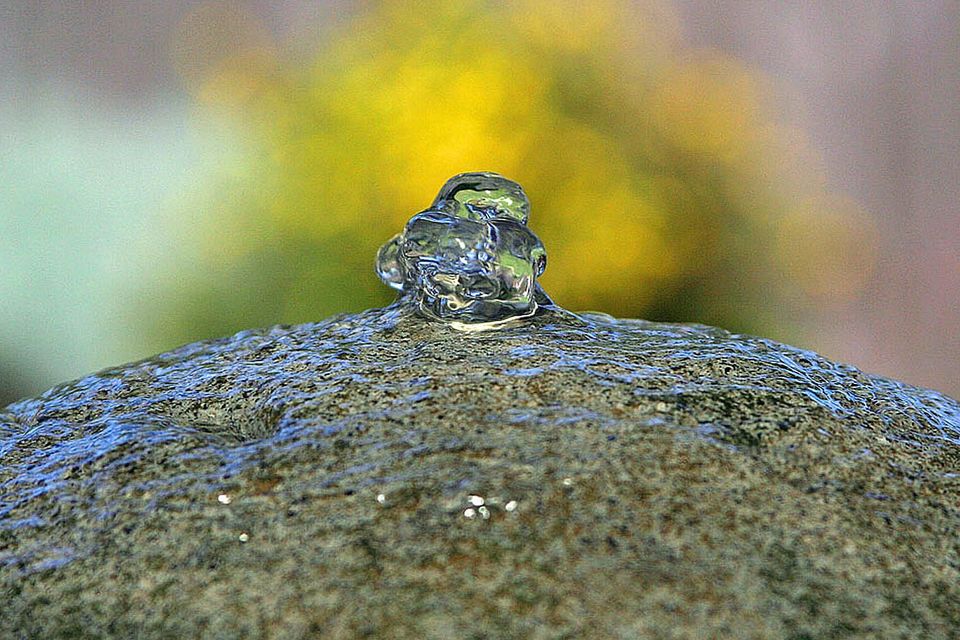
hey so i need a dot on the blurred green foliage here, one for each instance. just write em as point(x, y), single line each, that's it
point(663, 181)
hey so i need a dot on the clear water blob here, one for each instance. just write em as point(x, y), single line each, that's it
point(483, 196)
point(388, 264)
point(470, 259)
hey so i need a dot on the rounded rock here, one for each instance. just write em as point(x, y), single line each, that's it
point(673, 480)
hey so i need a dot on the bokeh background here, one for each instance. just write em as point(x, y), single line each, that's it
point(181, 170)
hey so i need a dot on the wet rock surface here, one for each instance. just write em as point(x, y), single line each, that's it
point(382, 475)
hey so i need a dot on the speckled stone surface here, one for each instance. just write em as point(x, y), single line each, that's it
point(638, 480)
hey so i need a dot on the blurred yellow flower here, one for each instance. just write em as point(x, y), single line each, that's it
point(658, 176)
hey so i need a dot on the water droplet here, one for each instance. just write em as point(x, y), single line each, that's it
point(381, 498)
point(511, 506)
point(484, 513)
point(224, 499)
point(244, 537)
point(476, 500)
point(483, 196)
point(388, 266)
point(470, 259)
point(470, 513)
point(567, 482)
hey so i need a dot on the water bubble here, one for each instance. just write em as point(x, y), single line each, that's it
point(388, 266)
point(470, 259)
point(483, 196)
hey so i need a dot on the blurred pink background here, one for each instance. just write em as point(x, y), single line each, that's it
point(877, 86)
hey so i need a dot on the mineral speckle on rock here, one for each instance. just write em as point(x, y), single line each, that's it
point(382, 475)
